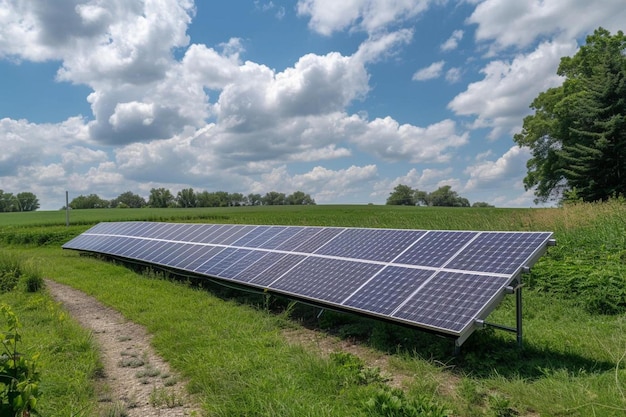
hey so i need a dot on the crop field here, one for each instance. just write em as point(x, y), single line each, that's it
point(233, 349)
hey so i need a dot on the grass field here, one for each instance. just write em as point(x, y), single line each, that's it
point(231, 348)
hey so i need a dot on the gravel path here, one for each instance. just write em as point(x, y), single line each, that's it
point(136, 380)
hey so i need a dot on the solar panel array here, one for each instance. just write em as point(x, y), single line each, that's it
point(437, 280)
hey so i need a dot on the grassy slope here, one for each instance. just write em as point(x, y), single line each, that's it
point(238, 363)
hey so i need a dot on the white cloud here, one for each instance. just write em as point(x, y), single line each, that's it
point(520, 23)
point(324, 185)
point(328, 16)
point(502, 98)
point(506, 171)
point(453, 75)
point(387, 139)
point(430, 72)
point(453, 41)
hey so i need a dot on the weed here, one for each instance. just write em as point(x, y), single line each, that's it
point(160, 397)
point(391, 402)
point(501, 406)
point(149, 371)
point(19, 378)
point(116, 409)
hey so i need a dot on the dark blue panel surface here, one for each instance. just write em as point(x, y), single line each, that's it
point(387, 290)
point(274, 272)
point(201, 257)
point(330, 280)
point(299, 238)
point(253, 271)
point(498, 252)
point(319, 239)
point(254, 234)
point(434, 249)
point(282, 237)
point(245, 262)
point(451, 301)
point(261, 238)
point(372, 244)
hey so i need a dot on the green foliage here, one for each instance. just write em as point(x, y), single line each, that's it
point(392, 402)
point(444, 196)
point(13, 269)
point(354, 371)
point(19, 377)
point(577, 135)
point(91, 201)
point(402, 195)
point(24, 201)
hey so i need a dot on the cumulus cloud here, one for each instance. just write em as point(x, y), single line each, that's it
point(520, 23)
point(502, 97)
point(430, 72)
point(325, 185)
point(508, 170)
point(328, 16)
point(391, 141)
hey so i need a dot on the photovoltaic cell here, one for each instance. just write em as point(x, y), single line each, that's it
point(255, 270)
point(299, 238)
point(325, 279)
point(387, 290)
point(450, 301)
point(501, 252)
point(435, 248)
point(376, 245)
point(276, 270)
point(319, 239)
point(439, 280)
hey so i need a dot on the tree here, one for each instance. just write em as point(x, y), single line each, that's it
point(237, 199)
point(254, 199)
point(8, 202)
point(445, 197)
point(577, 135)
point(402, 195)
point(27, 201)
point(481, 204)
point(299, 198)
point(274, 198)
point(128, 199)
point(160, 198)
point(187, 198)
point(91, 201)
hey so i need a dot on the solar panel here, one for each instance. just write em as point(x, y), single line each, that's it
point(443, 281)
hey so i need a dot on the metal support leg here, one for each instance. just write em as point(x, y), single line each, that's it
point(518, 305)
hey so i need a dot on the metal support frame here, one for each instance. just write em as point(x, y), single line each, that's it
point(517, 290)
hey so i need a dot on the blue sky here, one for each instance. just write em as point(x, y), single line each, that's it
point(343, 100)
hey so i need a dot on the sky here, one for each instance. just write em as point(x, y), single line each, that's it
point(343, 100)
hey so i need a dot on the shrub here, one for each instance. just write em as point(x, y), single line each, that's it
point(14, 269)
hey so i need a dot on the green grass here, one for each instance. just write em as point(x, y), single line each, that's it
point(68, 360)
point(238, 363)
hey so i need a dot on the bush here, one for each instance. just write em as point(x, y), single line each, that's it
point(13, 270)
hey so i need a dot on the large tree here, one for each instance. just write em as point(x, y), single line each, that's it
point(577, 134)
point(27, 201)
point(128, 199)
point(160, 198)
point(90, 201)
point(402, 195)
point(446, 197)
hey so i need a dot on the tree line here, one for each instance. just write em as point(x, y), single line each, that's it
point(403, 195)
point(187, 198)
point(24, 201)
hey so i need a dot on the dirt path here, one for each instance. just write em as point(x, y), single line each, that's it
point(136, 380)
